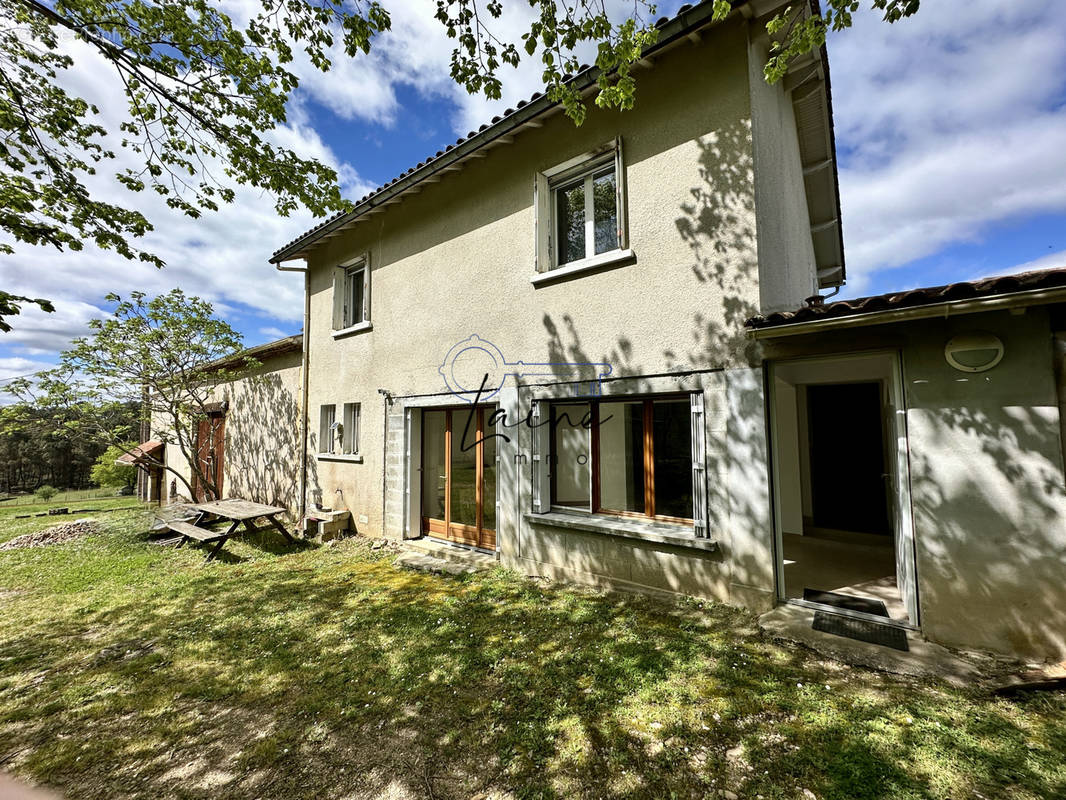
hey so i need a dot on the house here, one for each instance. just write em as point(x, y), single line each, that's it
point(599, 354)
point(597, 279)
point(249, 441)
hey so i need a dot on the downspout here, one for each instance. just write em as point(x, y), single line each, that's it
point(305, 362)
point(386, 397)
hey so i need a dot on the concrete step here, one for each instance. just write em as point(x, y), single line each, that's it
point(432, 556)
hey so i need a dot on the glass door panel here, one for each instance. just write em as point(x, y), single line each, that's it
point(464, 476)
point(488, 481)
point(434, 471)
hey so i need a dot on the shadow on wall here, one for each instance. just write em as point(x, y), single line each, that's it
point(991, 538)
point(263, 441)
point(718, 225)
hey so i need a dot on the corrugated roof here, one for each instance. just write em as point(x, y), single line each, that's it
point(687, 19)
point(963, 291)
point(143, 451)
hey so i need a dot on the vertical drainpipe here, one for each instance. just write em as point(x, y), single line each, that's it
point(305, 362)
point(386, 397)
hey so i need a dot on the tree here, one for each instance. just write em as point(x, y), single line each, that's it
point(164, 355)
point(204, 90)
point(107, 471)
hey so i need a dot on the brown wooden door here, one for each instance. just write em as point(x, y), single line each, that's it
point(459, 477)
point(210, 441)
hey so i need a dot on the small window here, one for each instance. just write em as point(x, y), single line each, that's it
point(327, 429)
point(351, 294)
point(350, 432)
point(581, 209)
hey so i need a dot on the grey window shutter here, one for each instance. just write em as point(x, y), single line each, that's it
point(699, 470)
point(620, 190)
point(539, 453)
point(340, 276)
point(366, 288)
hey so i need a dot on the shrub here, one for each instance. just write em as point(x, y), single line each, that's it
point(46, 492)
point(106, 472)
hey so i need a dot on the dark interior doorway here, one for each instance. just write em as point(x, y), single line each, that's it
point(847, 458)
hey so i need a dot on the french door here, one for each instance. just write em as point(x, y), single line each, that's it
point(459, 476)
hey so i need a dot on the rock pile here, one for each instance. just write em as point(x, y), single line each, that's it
point(57, 534)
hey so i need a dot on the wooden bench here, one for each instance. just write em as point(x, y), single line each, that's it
point(190, 531)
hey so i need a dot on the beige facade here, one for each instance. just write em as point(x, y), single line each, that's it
point(262, 432)
point(727, 210)
point(460, 258)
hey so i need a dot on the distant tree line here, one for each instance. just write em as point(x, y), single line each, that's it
point(42, 446)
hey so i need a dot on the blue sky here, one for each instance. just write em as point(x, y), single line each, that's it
point(951, 133)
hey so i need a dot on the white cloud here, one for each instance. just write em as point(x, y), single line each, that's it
point(222, 256)
point(946, 123)
point(273, 333)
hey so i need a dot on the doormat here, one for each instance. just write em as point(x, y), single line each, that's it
point(851, 602)
point(861, 630)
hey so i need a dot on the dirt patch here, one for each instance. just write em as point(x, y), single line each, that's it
point(57, 534)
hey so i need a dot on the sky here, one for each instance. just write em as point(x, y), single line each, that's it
point(950, 130)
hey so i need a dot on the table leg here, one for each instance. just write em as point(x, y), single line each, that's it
point(218, 546)
point(281, 529)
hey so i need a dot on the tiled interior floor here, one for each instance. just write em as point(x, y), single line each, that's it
point(866, 570)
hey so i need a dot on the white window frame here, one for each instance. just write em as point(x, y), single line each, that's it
point(547, 183)
point(327, 420)
point(346, 319)
point(350, 433)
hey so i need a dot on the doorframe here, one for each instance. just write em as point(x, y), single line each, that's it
point(484, 412)
point(905, 512)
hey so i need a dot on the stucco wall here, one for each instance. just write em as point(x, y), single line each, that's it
point(262, 436)
point(457, 259)
point(988, 491)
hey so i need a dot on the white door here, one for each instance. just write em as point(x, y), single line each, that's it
point(898, 483)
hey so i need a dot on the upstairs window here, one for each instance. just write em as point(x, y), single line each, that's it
point(580, 206)
point(351, 295)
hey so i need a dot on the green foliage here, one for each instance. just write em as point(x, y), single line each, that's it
point(107, 472)
point(46, 492)
point(11, 304)
point(163, 356)
point(796, 32)
point(203, 90)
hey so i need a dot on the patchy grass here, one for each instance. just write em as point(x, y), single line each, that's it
point(132, 670)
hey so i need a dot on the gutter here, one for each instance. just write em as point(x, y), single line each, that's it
point(679, 26)
point(1033, 297)
point(304, 361)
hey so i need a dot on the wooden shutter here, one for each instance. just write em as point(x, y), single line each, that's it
point(340, 281)
point(699, 471)
point(539, 458)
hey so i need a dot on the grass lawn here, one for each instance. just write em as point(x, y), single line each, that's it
point(133, 670)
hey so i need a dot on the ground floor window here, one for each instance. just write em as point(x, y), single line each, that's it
point(630, 456)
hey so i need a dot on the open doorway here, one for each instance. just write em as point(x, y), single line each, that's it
point(841, 489)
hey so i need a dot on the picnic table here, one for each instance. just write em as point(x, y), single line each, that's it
point(239, 512)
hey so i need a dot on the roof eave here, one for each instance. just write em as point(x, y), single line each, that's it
point(684, 23)
point(950, 308)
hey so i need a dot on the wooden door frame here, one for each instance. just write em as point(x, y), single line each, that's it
point(446, 529)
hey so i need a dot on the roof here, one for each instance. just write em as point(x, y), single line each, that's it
point(1025, 288)
point(141, 452)
point(266, 350)
point(813, 106)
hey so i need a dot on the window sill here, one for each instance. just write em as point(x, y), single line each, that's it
point(626, 528)
point(357, 328)
point(608, 259)
point(352, 458)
